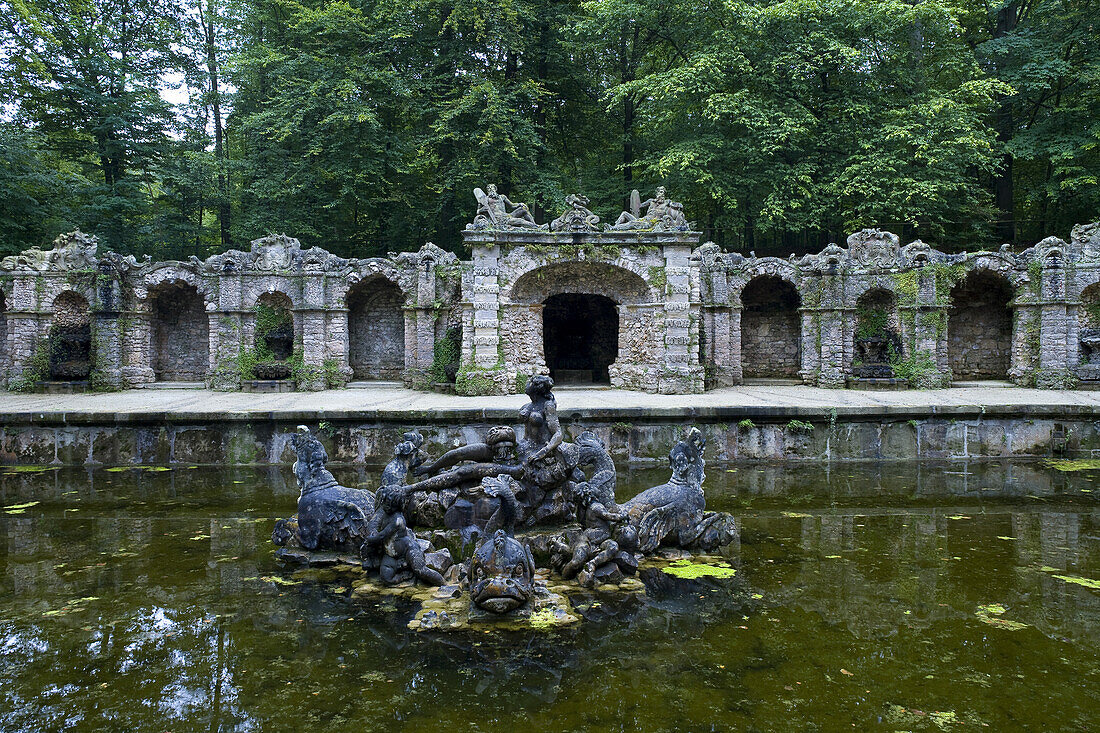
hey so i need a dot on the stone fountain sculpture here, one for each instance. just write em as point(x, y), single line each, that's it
point(562, 494)
point(330, 517)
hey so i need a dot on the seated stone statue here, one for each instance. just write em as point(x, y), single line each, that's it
point(330, 517)
point(493, 213)
point(660, 213)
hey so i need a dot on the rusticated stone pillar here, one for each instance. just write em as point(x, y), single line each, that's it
point(312, 317)
point(682, 373)
point(226, 333)
point(137, 347)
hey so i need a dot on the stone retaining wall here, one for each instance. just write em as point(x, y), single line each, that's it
point(781, 435)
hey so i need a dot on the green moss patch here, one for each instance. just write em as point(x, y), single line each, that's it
point(1078, 580)
point(991, 614)
point(687, 569)
point(29, 469)
point(1068, 466)
point(149, 469)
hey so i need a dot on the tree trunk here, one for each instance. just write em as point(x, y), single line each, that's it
point(220, 158)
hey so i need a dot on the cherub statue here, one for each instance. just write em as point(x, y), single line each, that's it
point(402, 555)
point(493, 213)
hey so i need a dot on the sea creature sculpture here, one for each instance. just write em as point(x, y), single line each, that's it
point(330, 517)
point(502, 570)
point(670, 514)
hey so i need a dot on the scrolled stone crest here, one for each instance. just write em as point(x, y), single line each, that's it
point(74, 250)
point(874, 247)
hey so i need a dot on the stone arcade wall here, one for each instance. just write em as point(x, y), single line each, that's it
point(688, 318)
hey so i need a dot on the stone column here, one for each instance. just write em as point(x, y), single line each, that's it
point(830, 339)
point(809, 355)
point(1054, 330)
point(106, 334)
point(226, 334)
point(737, 375)
point(420, 326)
point(312, 316)
point(681, 372)
point(137, 347)
point(23, 324)
point(485, 372)
point(717, 329)
point(930, 328)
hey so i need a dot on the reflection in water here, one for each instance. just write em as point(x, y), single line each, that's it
point(145, 601)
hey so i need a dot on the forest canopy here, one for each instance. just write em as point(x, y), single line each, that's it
point(177, 129)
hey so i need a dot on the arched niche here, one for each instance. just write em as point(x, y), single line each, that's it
point(877, 336)
point(273, 335)
point(376, 329)
point(180, 333)
point(580, 334)
point(979, 326)
point(771, 329)
point(70, 338)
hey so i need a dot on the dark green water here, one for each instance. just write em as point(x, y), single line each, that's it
point(143, 601)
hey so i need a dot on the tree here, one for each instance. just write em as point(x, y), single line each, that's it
point(85, 73)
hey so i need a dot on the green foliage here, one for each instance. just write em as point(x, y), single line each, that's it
point(445, 354)
point(363, 126)
point(799, 426)
point(920, 369)
point(658, 278)
point(36, 369)
point(872, 321)
point(623, 428)
point(746, 424)
point(472, 381)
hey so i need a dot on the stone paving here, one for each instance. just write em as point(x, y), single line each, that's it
point(391, 402)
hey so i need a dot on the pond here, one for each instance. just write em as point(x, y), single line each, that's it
point(901, 596)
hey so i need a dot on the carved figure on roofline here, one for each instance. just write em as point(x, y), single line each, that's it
point(493, 212)
point(661, 214)
point(577, 218)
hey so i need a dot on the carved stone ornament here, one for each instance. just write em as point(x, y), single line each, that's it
point(577, 218)
point(72, 251)
point(874, 248)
